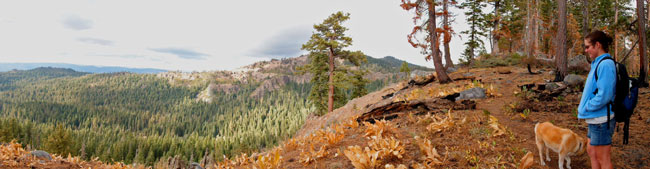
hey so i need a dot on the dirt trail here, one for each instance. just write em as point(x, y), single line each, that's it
point(471, 144)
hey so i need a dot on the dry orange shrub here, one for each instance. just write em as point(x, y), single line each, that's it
point(494, 124)
point(362, 159)
point(13, 155)
point(381, 128)
point(387, 147)
point(352, 123)
point(390, 166)
point(439, 124)
point(306, 157)
point(271, 160)
point(431, 154)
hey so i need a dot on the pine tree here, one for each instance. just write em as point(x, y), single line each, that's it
point(82, 152)
point(476, 21)
point(59, 141)
point(327, 45)
point(430, 44)
point(560, 57)
point(585, 19)
point(643, 71)
point(140, 155)
point(359, 83)
point(531, 38)
point(495, 23)
point(151, 157)
point(405, 68)
point(447, 30)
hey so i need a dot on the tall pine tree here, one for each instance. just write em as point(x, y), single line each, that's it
point(327, 45)
point(427, 26)
point(476, 21)
point(59, 141)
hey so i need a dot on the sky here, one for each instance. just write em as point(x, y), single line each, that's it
point(196, 35)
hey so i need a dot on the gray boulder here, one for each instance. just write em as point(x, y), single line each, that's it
point(573, 80)
point(473, 93)
point(195, 165)
point(420, 73)
point(468, 74)
point(42, 155)
point(452, 69)
point(551, 86)
point(579, 64)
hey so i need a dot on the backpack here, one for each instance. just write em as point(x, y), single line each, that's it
point(625, 97)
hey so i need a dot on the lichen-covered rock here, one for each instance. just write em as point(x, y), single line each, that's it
point(42, 155)
point(579, 64)
point(551, 86)
point(473, 93)
point(195, 165)
point(573, 80)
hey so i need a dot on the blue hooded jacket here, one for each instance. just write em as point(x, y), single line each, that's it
point(593, 105)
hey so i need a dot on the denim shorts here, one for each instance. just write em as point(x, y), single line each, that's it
point(600, 135)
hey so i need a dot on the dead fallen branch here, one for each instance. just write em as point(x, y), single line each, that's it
point(390, 110)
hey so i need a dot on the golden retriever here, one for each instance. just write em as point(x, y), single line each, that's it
point(562, 141)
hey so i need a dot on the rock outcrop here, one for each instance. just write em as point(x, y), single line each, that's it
point(579, 64)
point(573, 80)
point(270, 85)
point(41, 155)
point(473, 93)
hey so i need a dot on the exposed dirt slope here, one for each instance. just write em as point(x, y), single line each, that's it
point(498, 133)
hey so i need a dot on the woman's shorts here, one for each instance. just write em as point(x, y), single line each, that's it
point(600, 135)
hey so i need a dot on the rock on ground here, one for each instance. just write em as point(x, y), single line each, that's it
point(473, 93)
point(574, 80)
point(41, 155)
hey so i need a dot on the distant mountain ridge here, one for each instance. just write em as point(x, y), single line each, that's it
point(79, 68)
point(387, 63)
point(392, 64)
point(145, 118)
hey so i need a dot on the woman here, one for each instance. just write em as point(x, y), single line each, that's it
point(596, 98)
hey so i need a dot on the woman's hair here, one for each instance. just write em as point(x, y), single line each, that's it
point(600, 37)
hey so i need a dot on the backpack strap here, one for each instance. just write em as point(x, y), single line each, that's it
point(596, 91)
point(601, 60)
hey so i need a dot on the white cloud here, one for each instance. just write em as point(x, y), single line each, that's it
point(95, 41)
point(286, 43)
point(77, 23)
point(181, 53)
point(194, 35)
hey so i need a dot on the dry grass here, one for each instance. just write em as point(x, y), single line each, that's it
point(12, 155)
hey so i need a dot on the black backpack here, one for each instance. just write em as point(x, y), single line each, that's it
point(625, 97)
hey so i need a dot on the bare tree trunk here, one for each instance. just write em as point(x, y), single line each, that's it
point(529, 35)
point(526, 40)
point(330, 96)
point(615, 30)
point(585, 22)
point(437, 61)
point(537, 22)
point(560, 57)
point(643, 71)
point(495, 37)
point(448, 61)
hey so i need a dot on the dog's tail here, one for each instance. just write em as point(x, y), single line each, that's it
point(535, 131)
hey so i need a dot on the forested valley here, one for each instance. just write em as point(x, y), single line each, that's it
point(141, 118)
